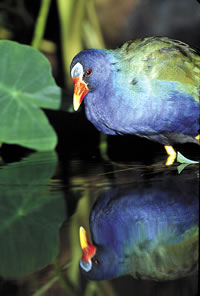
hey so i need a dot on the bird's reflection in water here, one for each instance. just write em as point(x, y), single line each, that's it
point(146, 229)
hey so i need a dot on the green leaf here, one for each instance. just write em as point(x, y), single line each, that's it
point(26, 85)
point(31, 213)
point(182, 159)
point(181, 167)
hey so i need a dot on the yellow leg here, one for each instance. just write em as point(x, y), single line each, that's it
point(172, 154)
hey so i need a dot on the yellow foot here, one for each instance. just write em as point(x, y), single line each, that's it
point(172, 155)
point(197, 137)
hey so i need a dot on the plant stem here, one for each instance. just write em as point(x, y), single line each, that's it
point(94, 21)
point(46, 286)
point(71, 14)
point(41, 23)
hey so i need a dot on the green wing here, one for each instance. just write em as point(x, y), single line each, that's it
point(161, 58)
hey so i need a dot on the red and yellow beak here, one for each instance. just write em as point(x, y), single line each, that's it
point(80, 90)
point(87, 248)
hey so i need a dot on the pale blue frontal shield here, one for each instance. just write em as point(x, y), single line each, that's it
point(86, 265)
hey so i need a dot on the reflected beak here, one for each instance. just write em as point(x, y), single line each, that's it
point(80, 90)
point(87, 248)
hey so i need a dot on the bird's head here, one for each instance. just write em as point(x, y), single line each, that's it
point(98, 262)
point(89, 70)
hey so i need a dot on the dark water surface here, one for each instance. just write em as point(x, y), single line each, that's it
point(44, 199)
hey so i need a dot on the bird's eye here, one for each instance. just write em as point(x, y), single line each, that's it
point(96, 261)
point(88, 72)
